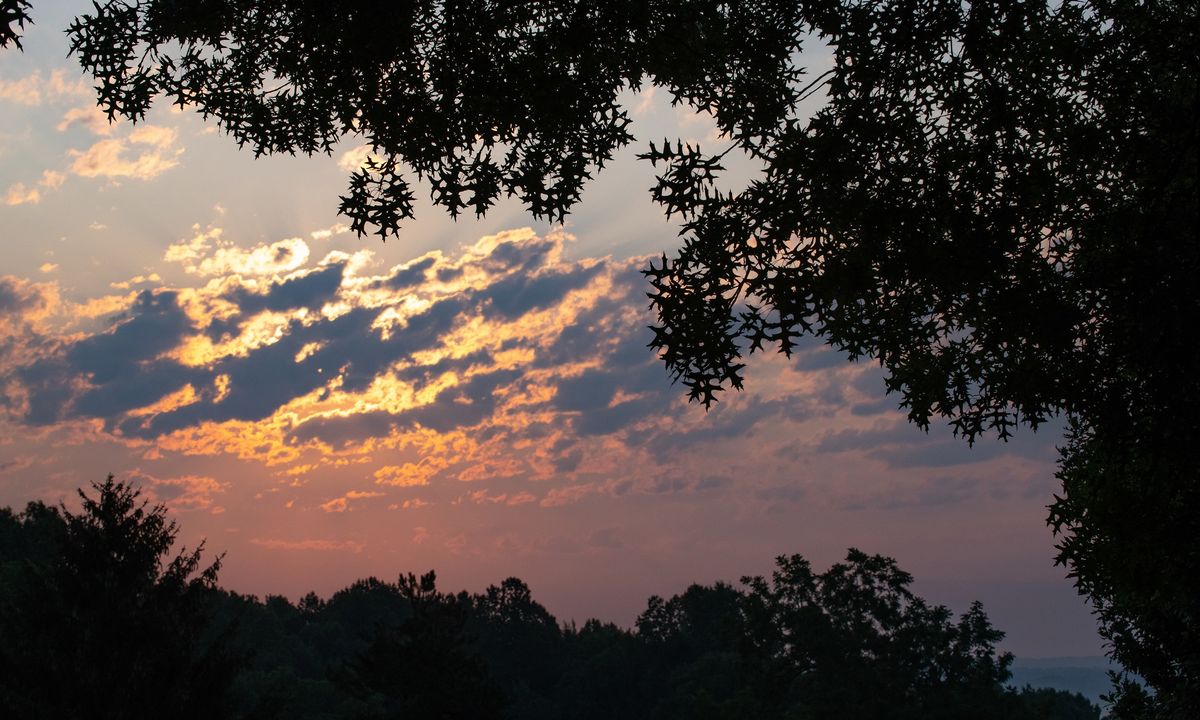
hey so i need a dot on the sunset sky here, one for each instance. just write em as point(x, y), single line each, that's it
point(474, 396)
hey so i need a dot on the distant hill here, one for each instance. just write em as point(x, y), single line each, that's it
point(1086, 675)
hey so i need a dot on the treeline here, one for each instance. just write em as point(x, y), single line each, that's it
point(101, 618)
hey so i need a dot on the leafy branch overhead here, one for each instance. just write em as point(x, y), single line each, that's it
point(14, 15)
point(478, 99)
point(941, 212)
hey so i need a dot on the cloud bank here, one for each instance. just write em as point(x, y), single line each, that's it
point(504, 367)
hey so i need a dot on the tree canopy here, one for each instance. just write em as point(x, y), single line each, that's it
point(951, 210)
point(997, 201)
point(851, 642)
point(98, 618)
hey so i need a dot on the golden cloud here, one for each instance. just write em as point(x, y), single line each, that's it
point(187, 492)
point(110, 158)
point(135, 280)
point(411, 474)
point(326, 233)
point(19, 194)
point(504, 364)
point(354, 158)
point(207, 254)
point(342, 503)
point(87, 116)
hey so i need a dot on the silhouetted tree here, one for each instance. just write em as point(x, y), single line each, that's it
point(695, 642)
point(113, 627)
point(98, 619)
point(1128, 519)
point(424, 668)
point(854, 642)
point(606, 675)
point(1046, 703)
point(997, 201)
point(523, 647)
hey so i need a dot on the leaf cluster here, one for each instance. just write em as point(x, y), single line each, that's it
point(14, 14)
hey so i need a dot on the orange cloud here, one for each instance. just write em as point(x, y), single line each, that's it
point(87, 116)
point(411, 474)
point(173, 401)
point(19, 194)
point(110, 158)
point(504, 364)
point(567, 495)
point(316, 545)
point(187, 492)
point(342, 504)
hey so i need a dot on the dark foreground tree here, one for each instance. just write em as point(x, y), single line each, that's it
point(1045, 703)
point(424, 667)
point(523, 646)
point(99, 620)
point(851, 642)
point(996, 200)
point(855, 642)
point(128, 642)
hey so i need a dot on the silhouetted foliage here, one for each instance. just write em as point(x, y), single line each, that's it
point(946, 211)
point(997, 201)
point(1060, 704)
point(98, 619)
point(523, 645)
point(14, 14)
point(1129, 524)
point(423, 667)
point(854, 642)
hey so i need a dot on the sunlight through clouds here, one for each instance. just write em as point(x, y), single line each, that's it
point(206, 253)
point(470, 403)
point(505, 364)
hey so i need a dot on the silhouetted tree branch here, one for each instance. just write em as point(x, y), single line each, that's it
point(14, 14)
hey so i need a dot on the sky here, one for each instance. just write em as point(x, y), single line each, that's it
point(474, 396)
